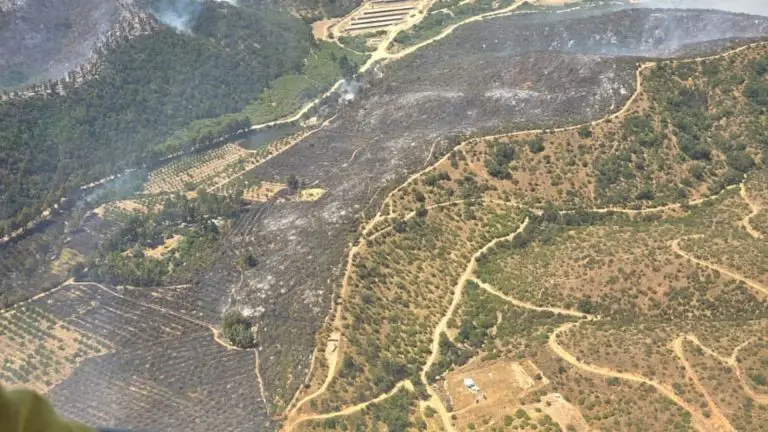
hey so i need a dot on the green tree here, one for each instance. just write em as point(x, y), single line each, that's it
point(237, 328)
point(585, 132)
point(293, 182)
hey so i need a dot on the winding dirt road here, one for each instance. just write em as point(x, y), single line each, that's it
point(675, 245)
point(733, 362)
point(699, 420)
point(526, 305)
point(755, 210)
point(458, 289)
point(381, 54)
point(354, 408)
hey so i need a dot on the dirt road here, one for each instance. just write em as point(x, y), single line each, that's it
point(751, 283)
point(732, 361)
point(699, 420)
point(526, 305)
point(458, 289)
point(721, 422)
point(382, 55)
point(354, 408)
point(755, 210)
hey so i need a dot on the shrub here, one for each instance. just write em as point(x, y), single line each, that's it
point(536, 145)
point(585, 132)
point(237, 328)
point(642, 130)
point(586, 306)
point(757, 92)
point(501, 155)
point(697, 171)
point(247, 261)
point(293, 182)
point(740, 161)
point(759, 379)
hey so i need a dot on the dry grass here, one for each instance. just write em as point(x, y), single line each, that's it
point(733, 250)
point(753, 361)
point(67, 259)
point(610, 405)
point(311, 194)
point(263, 192)
point(169, 245)
point(723, 385)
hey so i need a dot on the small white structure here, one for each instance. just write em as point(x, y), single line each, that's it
point(471, 385)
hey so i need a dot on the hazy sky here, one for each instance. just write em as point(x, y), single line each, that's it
point(757, 7)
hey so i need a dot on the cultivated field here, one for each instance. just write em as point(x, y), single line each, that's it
point(40, 351)
point(218, 170)
point(194, 171)
point(101, 355)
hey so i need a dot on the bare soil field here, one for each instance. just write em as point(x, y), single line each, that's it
point(502, 386)
point(263, 192)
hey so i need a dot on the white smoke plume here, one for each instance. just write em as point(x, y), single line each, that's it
point(181, 14)
point(348, 91)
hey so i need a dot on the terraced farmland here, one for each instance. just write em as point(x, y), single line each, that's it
point(123, 323)
point(39, 350)
point(147, 357)
point(188, 383)
point(198, 170)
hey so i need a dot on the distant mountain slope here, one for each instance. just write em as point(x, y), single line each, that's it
point(44, 40)
point(147, 88)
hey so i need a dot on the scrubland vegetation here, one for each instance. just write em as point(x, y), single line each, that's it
point(645, 240)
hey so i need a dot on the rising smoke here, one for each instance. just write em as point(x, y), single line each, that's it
point(181, 14)
point(348, 91)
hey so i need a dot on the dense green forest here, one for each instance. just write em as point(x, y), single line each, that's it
point(148, 88)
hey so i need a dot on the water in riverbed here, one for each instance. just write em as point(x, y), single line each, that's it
point(260, 138)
